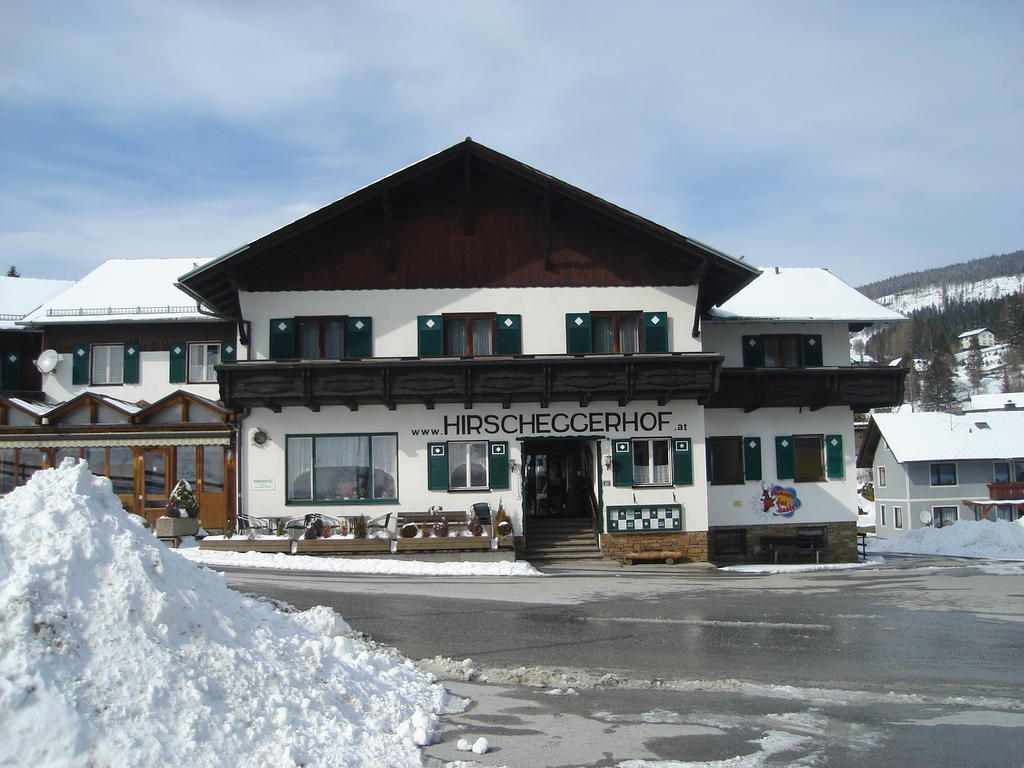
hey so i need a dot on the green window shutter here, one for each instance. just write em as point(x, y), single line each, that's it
point(359, 337)
point(131, 364)
point(812, 350)
point(834, 456)
point(430, 338)
point(752, 458)
point(178, 373)
point(785, 460)
point(682, 461)
point(437, 466)
point(11, 372)
point(578, 338)
point(622, 463)
point(753, 352)
point(228, 352)
point(509, 335)
point(80, 364)
point(497, 465)
point(655, 332)
point(282, 338)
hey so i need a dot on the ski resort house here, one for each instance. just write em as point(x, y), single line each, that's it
point(124, 377)
point(470, 330)
point(938, 468)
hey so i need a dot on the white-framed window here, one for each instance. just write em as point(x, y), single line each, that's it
point(467, 465)
point(652, 461)
point(943, 473)
point(881, 477)
point(107, 364)
point(202, 356)
point(943, 516)
point(881, 514)
point(897, 517)
point(338, 469)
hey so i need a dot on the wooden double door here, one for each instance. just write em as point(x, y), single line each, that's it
point(209, 469)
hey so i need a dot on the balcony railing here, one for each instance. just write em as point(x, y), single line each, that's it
point(859, 387)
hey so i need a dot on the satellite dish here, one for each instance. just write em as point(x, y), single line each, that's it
point(47, 361)
point(925, 516)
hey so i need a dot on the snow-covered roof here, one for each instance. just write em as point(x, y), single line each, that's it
point(953, 436)
point(21, 295)
point(31, 406)
point(984, 402)
point(122, 290)
point(968, 334)
point(801, 294)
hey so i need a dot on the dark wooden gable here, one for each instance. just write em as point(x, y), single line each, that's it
point(468, 217)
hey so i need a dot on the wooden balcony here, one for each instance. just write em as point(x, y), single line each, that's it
point(859, 387)
point(1006, 491)
point(275, 384)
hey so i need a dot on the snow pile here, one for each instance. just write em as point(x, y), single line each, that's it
point(379, 566)
point(999, 540)
point(115, 651)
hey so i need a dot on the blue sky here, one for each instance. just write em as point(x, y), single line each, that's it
point(868, 137)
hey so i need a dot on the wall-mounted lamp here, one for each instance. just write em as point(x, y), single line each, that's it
point(608, 461)
point(513, 465)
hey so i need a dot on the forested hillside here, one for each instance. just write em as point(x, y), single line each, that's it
point(943, 303)
point(976, 270)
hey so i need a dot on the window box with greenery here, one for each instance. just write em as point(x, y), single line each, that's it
point(105, 364)
point(652, 462)
point(616, 332)
point(342, 469)
point(468, 465)
point(477, 334)
point(321, 338)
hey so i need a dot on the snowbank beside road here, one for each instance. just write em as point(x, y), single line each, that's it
point(116, 651)
point(377, 566)
point(997, 540)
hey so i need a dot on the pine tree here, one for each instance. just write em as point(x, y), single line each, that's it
point(13, 272)
point(938, 390)
point(975, 371)
point(182, 501)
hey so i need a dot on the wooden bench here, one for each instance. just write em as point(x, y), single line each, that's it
point(670, 557)
point(804, 542)
point(455, 517)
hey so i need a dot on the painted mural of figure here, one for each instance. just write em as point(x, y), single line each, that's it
point(767, 502)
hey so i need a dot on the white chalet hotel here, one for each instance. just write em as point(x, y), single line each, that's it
point(472, 330)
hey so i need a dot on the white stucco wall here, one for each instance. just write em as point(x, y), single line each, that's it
point(263, 481)
point(726, 338)
point(154, 384)
point(394, 312)
point(833, 500)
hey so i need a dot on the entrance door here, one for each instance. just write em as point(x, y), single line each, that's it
point(208, 469)
point(152, 484)
point(558, 479)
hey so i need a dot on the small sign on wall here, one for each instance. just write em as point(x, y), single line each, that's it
point(262, 484)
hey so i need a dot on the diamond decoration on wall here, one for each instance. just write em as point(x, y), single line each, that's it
point(177, 350)
point(812, 342)
point(655, 320)
point(784, 443)
point(834, 442)
point(508, 322)
point(752, 343)
point(752, 444)
point(80, 352)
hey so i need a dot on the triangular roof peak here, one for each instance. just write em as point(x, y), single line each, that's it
point(375, 215)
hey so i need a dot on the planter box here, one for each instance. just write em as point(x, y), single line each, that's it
point(245, 545)
point(506, 542)
point(167, 527)
point(444, 544)
point(342, 546)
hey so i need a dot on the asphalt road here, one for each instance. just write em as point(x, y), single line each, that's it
point(918, 664)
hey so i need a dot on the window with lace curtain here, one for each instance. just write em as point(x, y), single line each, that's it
point(468, 335)
point(342, 468)
point(652, 463)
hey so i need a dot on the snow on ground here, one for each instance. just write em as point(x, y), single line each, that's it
point(378, 566)
point(793, 567)
point(114, 651)
point(999, 540)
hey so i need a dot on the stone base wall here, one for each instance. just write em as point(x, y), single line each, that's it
point(840, 542)
point(693, 545)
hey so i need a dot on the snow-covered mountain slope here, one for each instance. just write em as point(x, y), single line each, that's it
point(935, 295)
